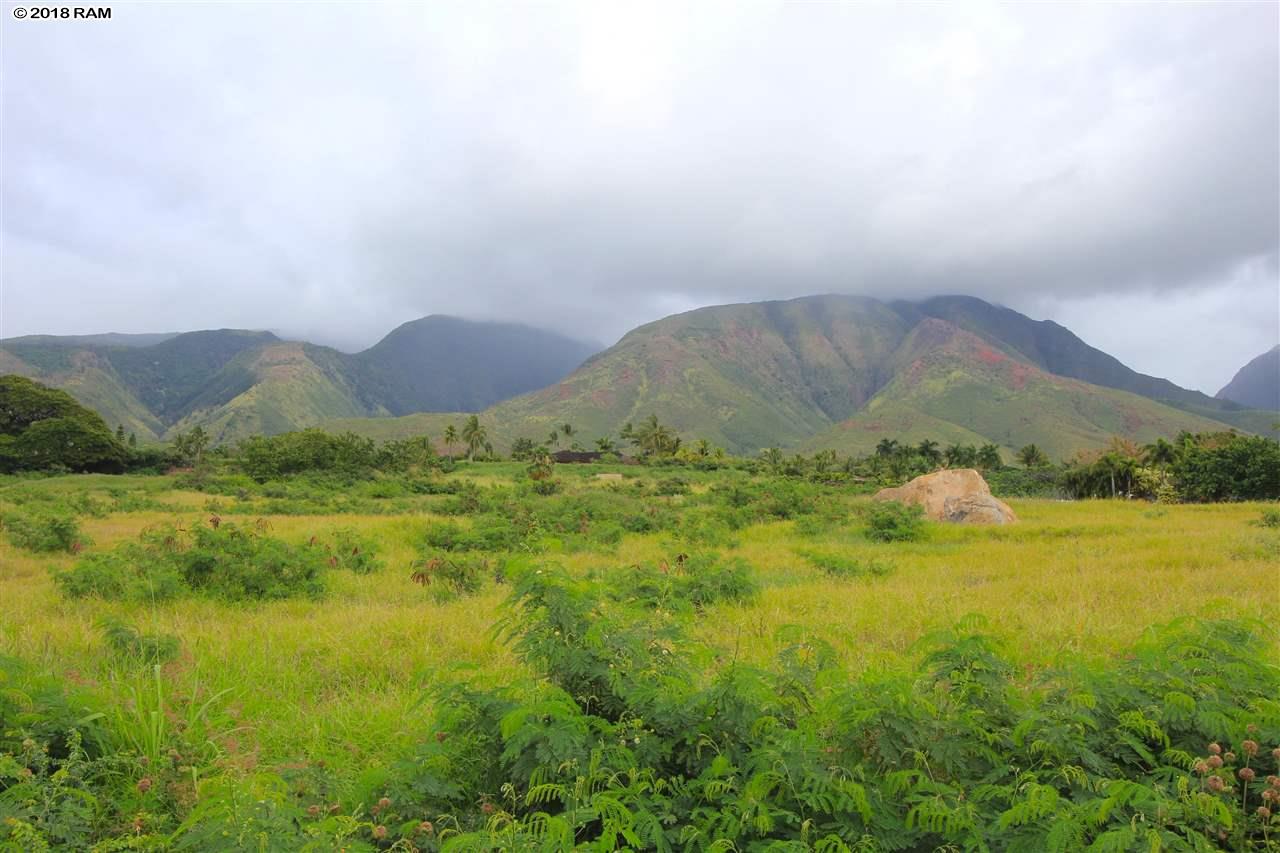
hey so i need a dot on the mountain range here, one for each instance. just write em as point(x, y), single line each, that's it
point(818, 372)
point(236, 383)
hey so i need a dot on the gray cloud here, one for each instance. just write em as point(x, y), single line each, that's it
point(340, 168)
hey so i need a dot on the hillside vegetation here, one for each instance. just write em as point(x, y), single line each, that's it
point(237, 383)
point(842, 372)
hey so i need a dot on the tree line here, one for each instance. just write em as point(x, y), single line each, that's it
point(45, 429)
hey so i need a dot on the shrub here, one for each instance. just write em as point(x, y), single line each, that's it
point(353, 552)
point(620, 738)
point(671, 486)
point(268, 457)
point(1270, 518)
point(545, 487)
point(1228, 467)
point(890, 521)
point(44, 533)
point(217, 559)
point(451, 575)
point(696, 581)
point(130, 643)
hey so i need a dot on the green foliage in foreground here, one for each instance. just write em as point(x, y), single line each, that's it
point(218, 559)
point(622, 743)
point(631, 735)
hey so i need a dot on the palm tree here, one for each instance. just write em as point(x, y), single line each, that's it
point(1031, 456)
point(773, 458)
point(567, 431)
point(928, 449)
point(988, 457)
point(554, 438)
point(450, 438)
point(960, 456)
point(605, 444)
point(886, 447)
point(475, 436)
point(702, 448)
point(1160, 453)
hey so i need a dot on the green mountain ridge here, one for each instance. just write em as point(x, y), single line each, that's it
point(831, 371)
point(236, 383)
point(955, 387)
point(812, 373)
point(1058, 350)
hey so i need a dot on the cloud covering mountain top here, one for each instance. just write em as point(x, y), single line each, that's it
point(337, 169)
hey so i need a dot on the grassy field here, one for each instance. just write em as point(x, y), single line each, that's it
point(340, 682)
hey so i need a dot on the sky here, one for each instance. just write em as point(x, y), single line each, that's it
point(331, 170)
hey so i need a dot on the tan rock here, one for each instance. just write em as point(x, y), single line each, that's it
point(609, 477)
point(959, 495)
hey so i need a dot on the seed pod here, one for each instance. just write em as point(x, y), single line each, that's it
point(1246, 773)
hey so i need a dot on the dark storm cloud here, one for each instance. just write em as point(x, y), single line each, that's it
point(337, 169)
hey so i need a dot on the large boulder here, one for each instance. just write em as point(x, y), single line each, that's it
point(961, 496)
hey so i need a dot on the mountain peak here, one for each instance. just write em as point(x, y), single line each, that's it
point(1257, 384)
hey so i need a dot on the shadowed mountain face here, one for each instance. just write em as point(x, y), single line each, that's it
point(446, 364)
point(237, 383)
point(819, 372)
point(1257, 384)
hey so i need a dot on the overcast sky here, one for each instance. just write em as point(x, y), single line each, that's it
point(336, 169)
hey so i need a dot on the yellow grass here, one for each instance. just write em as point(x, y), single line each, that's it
point(342, 679)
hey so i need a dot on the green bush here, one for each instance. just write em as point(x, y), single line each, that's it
point(890, 521)
point(44, 533)
point(451, 575)
point(1227, 467)
point(217, 559)
point(128, 642)
point(684, 581)
point(309, 450)
point(1270, 518)
point(351, 551)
